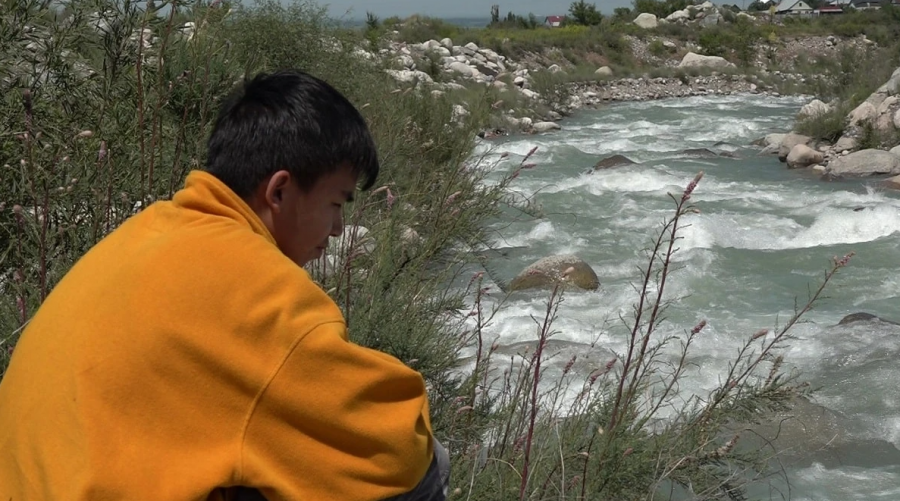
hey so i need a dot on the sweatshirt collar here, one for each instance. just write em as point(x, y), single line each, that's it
point(206, 193)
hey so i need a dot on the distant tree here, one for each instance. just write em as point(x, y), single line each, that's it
point(891, 11)
point(758, 6)
point(623, 14)
point(372, 22)
point(514, 21)
point(585, 14)
point(495, 14)
point(373, 30)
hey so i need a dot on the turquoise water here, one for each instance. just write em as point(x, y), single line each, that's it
point(763, 237)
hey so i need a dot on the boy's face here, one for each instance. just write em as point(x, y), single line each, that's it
point(301, 221)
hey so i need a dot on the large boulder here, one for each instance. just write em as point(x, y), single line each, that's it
point(604, 71)
point(897, 120)
point(884, 124)
point(692, 60)
point(887, 105)
point(807, 434)
point(551, 270)
point(410, 76)
point(893, 182)
point(646, 21)
point(865, 163)
point(545, 126)
point(846, 143)
point(813, 109)
point(788, 143)
point(406, 61)
point(679, 16)
point(892, 86)
point(613, 161)
point(863, 317)
point(803, 156)
point(463, 69)
point(865, 112)
point(895, 150)
point(711, 19)
point(706, 153)
point(773, 140)
point(490, 55)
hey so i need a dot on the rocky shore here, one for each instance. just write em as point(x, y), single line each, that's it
point(868, 148)
point(443, 66)
point(678, 71)
point(461, 66)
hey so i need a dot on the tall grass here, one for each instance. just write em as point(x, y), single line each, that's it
point(96, 123)
point(623, 430)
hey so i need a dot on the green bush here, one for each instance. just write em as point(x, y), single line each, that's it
point(737, 42)
point(417, 29)
point(826, 127)
point(716, 41)
point(657, 48)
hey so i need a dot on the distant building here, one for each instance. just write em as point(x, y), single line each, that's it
point(793, 8)
point(828, 10)
point(872, 4)
point(554, 21)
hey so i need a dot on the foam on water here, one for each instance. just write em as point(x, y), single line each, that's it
point(849, 484)
point(543, 231)
point(884, 287)
point(832, 226)
point(631, 180)
point(728, 129)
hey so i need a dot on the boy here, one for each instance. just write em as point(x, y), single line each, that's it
point(189, 353)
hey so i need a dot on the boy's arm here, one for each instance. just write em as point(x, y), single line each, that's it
point(432, 487)
point(337, 421)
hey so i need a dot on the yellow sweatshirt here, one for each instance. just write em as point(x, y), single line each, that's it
point(183, 353)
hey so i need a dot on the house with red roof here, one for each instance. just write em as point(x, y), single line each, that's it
point(554, 21)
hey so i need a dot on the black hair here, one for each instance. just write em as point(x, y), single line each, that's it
point(288, 120)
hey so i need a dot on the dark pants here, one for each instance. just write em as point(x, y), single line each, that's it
point(433, 487)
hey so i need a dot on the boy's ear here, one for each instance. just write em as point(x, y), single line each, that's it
point(275, 189)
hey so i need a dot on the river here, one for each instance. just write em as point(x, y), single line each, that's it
point(764, 235)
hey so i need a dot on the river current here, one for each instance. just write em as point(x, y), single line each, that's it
point(764, 235)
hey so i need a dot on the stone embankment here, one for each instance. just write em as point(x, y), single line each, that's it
point(442, 66)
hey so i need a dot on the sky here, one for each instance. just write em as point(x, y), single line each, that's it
point(458, 8)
